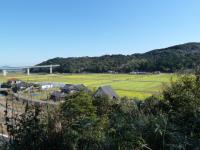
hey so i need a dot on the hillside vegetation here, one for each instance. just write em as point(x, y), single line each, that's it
point(171, 59)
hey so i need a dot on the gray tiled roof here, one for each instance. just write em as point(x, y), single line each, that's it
point(106, 91)
point(78, 87)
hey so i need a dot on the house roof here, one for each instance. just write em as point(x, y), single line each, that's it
point(58, 94)
point(67, 86)
point(22, 84)
point(106, 91)
point(78, 87)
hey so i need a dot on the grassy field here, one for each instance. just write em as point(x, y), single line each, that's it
point(140, 86)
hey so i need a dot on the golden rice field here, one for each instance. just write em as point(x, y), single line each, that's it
point(140, 86)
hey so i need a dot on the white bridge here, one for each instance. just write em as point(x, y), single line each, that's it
point(6, 69)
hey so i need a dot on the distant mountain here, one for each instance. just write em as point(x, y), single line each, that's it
point(171, 59)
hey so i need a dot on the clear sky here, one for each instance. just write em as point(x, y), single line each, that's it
point(32, 31)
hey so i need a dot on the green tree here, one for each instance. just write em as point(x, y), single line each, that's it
point(80, 123)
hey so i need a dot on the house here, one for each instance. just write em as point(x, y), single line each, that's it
point(24, 86)
point(54, 84)
point(133, 72)
point(70, 88)
point(45, 86)
point(66, 88)
point(57, 96)
point(13, 81)
point(21, 85)
point(112, 72)
point(139, 72)
point(58, 85)
point(106, 91)
point(156, 72)
point(16, 84)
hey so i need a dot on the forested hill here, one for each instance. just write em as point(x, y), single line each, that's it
point(171, 59)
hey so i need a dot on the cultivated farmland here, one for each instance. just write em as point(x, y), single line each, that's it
point(140, 86)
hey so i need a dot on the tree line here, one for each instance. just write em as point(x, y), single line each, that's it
point(172, 59)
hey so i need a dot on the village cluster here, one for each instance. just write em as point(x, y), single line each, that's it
point(56, 91)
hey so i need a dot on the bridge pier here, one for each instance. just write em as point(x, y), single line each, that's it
point(4, 72)
point(51, 69)
point(28, 71)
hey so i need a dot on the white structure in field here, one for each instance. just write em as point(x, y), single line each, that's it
point(4, 72)
point(46, 86)
point(6, 69)
point(49, 85)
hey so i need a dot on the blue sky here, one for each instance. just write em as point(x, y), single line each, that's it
point(32, 31)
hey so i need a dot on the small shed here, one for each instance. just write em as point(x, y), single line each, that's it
point(106, 91)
